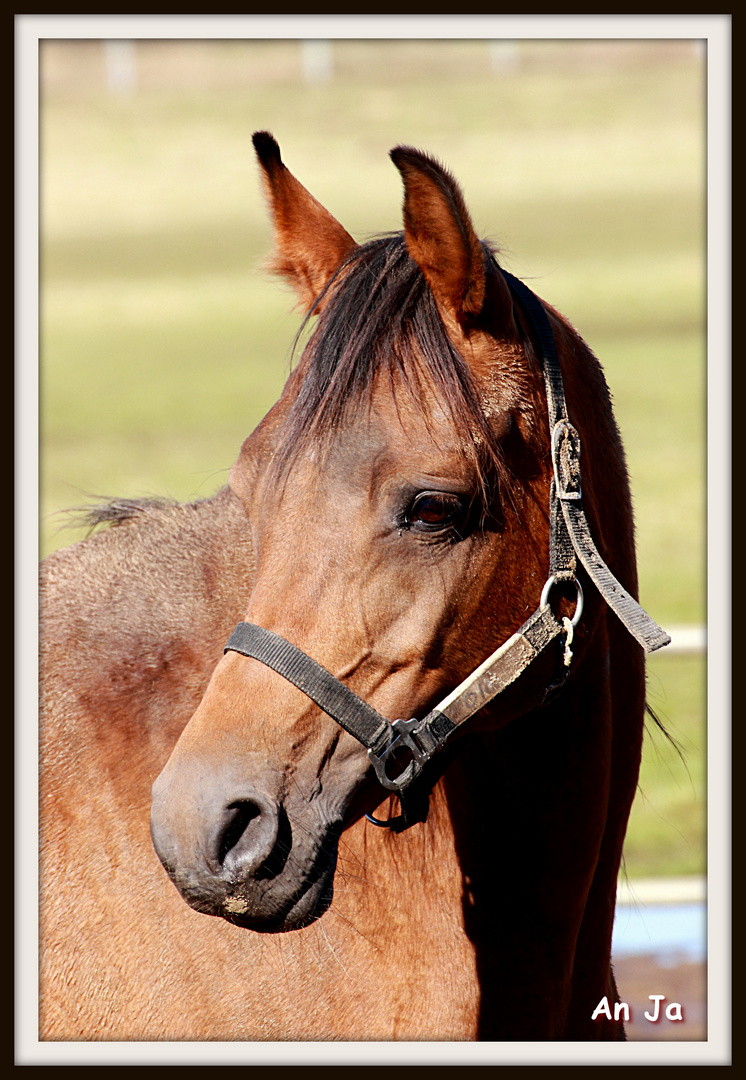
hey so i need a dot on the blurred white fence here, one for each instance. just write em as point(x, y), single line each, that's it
point(686, 639)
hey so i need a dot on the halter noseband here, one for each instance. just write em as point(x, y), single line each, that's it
point(570, 539)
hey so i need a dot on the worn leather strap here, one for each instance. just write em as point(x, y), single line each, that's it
point(352, 713)
point(637, 621)
point(424, 738)
point(570, 534)
point(503, 667)
point(546, 346)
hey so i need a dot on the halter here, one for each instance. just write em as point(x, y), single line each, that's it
point(400, 750)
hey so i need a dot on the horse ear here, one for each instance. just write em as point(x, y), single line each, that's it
point(310, 243)
point(440, 235)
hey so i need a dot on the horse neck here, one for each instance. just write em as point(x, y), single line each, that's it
point(124, 666)
point(538, 852)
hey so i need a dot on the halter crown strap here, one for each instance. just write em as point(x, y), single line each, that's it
point(566, 490)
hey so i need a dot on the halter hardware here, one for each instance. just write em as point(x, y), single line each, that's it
point(565, 455)
point(412, 734)
point(570, 541)
point(557, 579)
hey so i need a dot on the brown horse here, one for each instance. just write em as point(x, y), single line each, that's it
point(392, 517)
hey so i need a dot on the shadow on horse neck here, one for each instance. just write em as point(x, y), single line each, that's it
point(390, 519)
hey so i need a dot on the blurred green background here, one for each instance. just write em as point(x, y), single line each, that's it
point(163, 343)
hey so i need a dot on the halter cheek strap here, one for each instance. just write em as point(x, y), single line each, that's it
point(570, 532)
point(399, 750)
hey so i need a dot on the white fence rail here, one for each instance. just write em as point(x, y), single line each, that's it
point(686, 639)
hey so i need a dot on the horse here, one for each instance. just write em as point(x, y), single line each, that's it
point(390, 707)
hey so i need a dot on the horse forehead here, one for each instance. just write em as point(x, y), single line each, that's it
point(388, 442)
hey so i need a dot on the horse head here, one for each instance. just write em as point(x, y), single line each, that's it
point(397, 499)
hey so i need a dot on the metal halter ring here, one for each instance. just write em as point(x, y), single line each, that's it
point(555, 580)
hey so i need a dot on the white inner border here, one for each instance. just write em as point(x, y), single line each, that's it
point(716, 31)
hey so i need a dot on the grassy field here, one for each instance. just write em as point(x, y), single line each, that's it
point(163, 344)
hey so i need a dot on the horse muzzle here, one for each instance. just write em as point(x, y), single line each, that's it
point(228, 845)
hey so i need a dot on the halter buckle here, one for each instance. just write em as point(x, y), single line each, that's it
point(567, 472)
point(406, 736)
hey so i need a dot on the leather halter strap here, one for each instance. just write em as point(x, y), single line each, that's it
point(419, 738)
point(566, 487)
point(407, 745)
point(351, 712)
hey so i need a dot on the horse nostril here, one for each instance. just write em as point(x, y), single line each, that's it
point(247, 836)
point(241, 815)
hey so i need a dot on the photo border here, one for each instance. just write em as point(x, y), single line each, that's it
point(716, 31)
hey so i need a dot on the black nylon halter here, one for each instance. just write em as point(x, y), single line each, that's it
point(570, 541)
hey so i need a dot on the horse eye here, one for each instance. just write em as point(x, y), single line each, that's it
point(435, 510)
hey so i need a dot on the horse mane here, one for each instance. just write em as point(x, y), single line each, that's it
point(379, 320)
point(112, 512)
